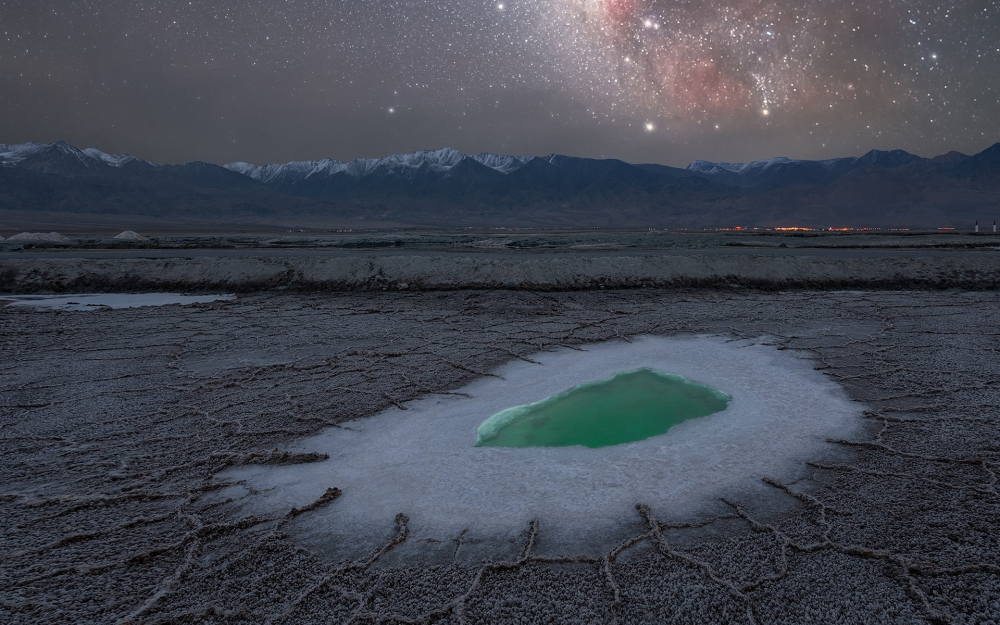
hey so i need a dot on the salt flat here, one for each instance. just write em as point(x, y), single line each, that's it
point(118, 447)
point(521, 261)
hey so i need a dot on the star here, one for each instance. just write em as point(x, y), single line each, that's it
point(488, 76)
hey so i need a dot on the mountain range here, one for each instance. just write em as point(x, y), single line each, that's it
point(446, 188)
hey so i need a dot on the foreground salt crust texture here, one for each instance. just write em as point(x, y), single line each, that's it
point(111, 444)
point(421, 461)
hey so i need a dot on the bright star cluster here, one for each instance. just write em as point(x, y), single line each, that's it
point(655, 80)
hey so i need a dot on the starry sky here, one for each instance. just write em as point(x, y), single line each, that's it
point(666, 81)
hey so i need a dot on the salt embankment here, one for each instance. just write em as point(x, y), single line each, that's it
point(231, 273)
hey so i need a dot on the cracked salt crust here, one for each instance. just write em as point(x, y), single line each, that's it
point(109, 441)
point(421, 461)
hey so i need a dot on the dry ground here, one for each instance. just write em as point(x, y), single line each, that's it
point(115, 424)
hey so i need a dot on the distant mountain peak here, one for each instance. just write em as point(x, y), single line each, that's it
point(887, 158)
point(114, 160)
point(402, 164)
point(950, 158)
point(783, 171)
point(14, 154)
point(501, 163)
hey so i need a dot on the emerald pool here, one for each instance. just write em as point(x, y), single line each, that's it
point(628, 406)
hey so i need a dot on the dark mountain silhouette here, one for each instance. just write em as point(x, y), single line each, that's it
point(447, 188)
point(783, 172)
point(951, 158)
point(61, 178)
point(983, 167)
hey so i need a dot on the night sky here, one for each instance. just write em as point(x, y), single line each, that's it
point(665, 81)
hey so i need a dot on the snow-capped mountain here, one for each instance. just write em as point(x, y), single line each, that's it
point(771, 173)
point(14, 153)
point(114, 160)
point(447, 187)
point(277, 175)
point(501, 163)
point(403, 165)
point(782, 171)
point(60, 156)
point(59, 177)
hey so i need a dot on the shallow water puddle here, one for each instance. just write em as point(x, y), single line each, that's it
point(629, 406)
point(95, 301)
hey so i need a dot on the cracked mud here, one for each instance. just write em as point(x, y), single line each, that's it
point(115, 424)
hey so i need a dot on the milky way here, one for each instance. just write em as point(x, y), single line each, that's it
point(772, 62)
point(656, 80)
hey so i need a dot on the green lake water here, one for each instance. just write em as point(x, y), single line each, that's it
point(629, 406)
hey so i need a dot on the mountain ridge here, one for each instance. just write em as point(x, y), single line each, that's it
point(447, 187)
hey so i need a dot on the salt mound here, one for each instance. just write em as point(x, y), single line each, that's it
point(38, 236)
point(130, 235)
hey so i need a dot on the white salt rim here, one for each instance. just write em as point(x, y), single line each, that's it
point(423, 462)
